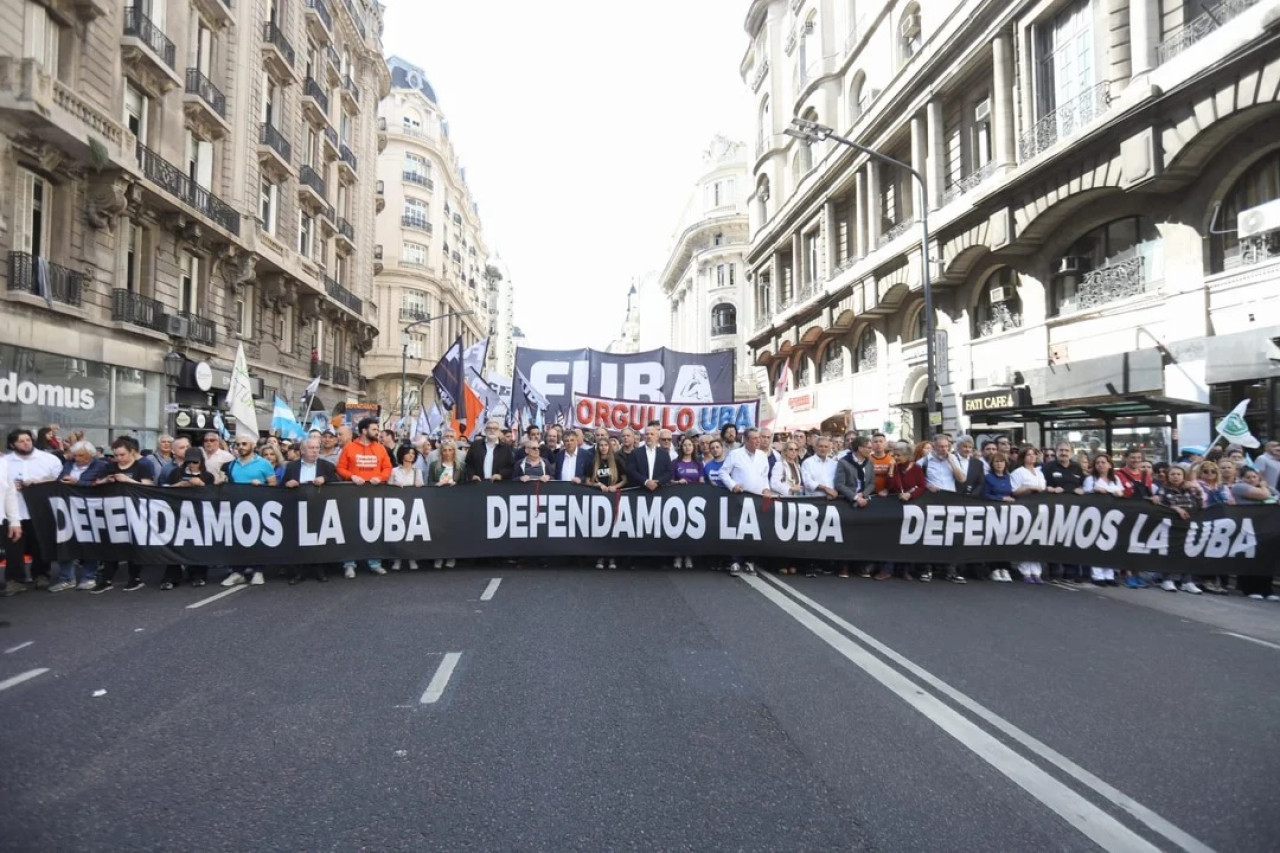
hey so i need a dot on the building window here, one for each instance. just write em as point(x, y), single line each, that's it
point(244, 311)
point(34, 214)
point(999, 307)
point(135, 112)
point(909, 33)
point(764, 299)
point(43, 39)
point(917, 328)
point(189, 289)
point(857, 97)
point(306, 225)
point(1259, 184)
point(416, 166)
point(866, 355)
point(717, 240)
point(414, 253)
point(130, 256)
point(804, 373)
point(413, 304)
point(833, 361)
point(1111, 262)
point(267, 209)
point(1064, 59)
point(724, 319)
point(286, 328)
point(417, 345)
point(810, 259)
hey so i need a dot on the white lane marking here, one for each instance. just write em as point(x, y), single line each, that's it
point(1080, 813)
point(440, 680)
point(19, 647)
point(202, 602)
point(1154, 821)
point(18, 679)
point(489, 590)
point(1269, 645)
point(1064, 586)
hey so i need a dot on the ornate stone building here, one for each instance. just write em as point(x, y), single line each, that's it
point(179, 178)
point(432, 256)
point(1086, 164)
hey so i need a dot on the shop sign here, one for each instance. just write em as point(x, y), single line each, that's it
point(996, 400)
point(800, 402)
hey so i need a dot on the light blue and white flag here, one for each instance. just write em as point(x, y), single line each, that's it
point(284, 422)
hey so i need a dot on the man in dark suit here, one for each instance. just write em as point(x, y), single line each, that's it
point(491, 459)
point(971, 476)
point(83, 466)
point(309, 469)
point(649, 464)
point(579, 460)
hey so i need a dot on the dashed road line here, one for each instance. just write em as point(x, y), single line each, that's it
point(19, 647)
point(440, 680)
point(1269, 645)
point(202, 602)
point(491, 589)
point(18, 679)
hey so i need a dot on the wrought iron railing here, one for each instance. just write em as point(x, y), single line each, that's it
point(275, 140)
point(311, 178)
point(139, 26)
point(895, 232)
point(785, 300)
point(272, 35)
point(351, 87)
point(1001, 320)
point(416, 220)
point(759, 76)
point(331, 136)
point(130, 307)
point(833, 369)
point(413, 314)
point(203, 330)
point(1197, 28)
point(202, 87)
point(968, 182)
point(321, 10)
point(345, 155)
point(312, 89)
point(807, 290)
point(1065, 121)
point(346, 230)
point(322, 369)
point(341, 376)
point(1111, 283)
point(419, 179)
point(843, 265)
point(762, 320)
point(1257, 250)
point(725, 329)
point(176, 182)
point(37, 276)
point(343, 296)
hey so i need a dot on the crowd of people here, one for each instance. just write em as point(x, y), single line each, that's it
point(855, 468)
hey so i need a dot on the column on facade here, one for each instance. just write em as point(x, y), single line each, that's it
point(872, 172)
point(936, 154)
point(775, 292)
point(860, 217)
point(830, 235)
point(1144, 28)
point(1002, 97)
point(797, 263)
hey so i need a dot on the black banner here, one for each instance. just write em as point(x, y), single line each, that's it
point(247, 525)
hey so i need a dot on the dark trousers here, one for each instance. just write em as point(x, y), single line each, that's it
point(15, 554)
point(109, 570)
point(298, 570)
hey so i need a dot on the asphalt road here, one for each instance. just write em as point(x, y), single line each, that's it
point(574, 709)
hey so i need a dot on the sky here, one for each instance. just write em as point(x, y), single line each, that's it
point(581, 125)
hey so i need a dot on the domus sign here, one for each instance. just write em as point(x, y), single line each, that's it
point(15, 389)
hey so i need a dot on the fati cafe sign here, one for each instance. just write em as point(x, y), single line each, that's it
point(996, 400)
point(15, 389)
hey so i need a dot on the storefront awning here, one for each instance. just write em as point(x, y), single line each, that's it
point(1105, 410)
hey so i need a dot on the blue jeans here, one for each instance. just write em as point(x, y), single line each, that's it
point(88, 570)
point(373, 564)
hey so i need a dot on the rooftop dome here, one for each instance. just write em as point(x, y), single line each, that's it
point(406, 75)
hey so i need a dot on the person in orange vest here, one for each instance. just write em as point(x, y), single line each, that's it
point(363, 460)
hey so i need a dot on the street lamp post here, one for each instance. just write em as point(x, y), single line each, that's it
point(811, 131)
point(173, 364)
point(405, 340)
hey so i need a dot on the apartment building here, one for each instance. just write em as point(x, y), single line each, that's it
point(704, 278)
point(181, 177)
point(1098, 180)
point(432, 263)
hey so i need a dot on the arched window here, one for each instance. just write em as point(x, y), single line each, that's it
point(724, 319)
point(810, 52)
point(856, 103)
point(803, 160)
point(917, 328)
point(833, 362)
point(804, 371)
point(909, 33)
point(762, 198)
point(866, 354)
point(765, 140)
point(999, 307)
point(1258, 185)
point(1111, 262)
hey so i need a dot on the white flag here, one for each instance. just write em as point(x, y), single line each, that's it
point(240, 398)
point(1234, 428)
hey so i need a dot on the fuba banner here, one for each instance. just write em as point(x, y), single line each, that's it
point(616, 415)
point(657, 376)
point(248, 526)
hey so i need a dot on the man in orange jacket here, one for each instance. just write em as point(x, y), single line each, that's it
point(364, 460)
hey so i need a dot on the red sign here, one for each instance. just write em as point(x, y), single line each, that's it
point(616, 415)
point(800, 402)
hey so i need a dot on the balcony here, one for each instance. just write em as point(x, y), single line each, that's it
point(322, 369)
point(274, 150)
point(351, 92)
point(969, 182)
point(1192, 31)
point(355, 18)
point(341, 376)
point(1065, 121)
point(1001, 320)
point(47, 108)
point(329, 143)
point(202, 331)
point(382, 134)
point(758, 77)
point(342, 296)
point(216, 12)
point(413, 314)
point(1116, 281)
point(149, 53)
point(176, 183)
point(763, 319)
point(416, 220)
point(379, 197)
point(137, 310)
point(205, 105)
point(893, 233)
point(457, 218)
point(377, 259)
point(311, 189)
point(346, 233)
point(420, 179)
point(277, 53)
point(319, 21)
point(315, 103)
point(346, 163)
point(332, 65)
point(28, 274)
point(834, 369)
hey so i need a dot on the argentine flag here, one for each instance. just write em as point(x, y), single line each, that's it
point(284, 422)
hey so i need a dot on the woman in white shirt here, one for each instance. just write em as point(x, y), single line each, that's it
point(786, 481)
point(1027, 479)
point(405, 474)
point(1101, 481)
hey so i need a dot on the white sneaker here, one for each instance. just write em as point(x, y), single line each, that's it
point(377, 570)
point(349, 572)
point(734, 569)
point(750, 568)
point(1256, 596)
point(613, 564)
point(438, 564)
point(395, 565)
point(233, 579)
point(413, 565)
point(1004, 576)
point(677, 563)
point(62, 586)
point(450, 563)
point(1191, 588)
point(600, 563)
point(1273, 598)
point(258, 579)
point(1169, 586)
point(87, 585)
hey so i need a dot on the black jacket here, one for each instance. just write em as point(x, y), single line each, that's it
point(1067, 477)
point(975, 480)
point(586, 458)
point(324, 469)
point(504, 460)
point(638, 467)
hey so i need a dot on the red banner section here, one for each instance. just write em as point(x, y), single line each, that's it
point(616, 415)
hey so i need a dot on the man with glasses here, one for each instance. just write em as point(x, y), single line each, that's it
point(329, 449)
point(747, 470)
point(248, 469)
point(666, 442)
point(310, 469)
point(649, 464)
point(215, 458)
point(491, 460)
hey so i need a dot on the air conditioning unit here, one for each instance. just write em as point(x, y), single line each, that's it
point(1002, 376)
point(982, 112)
point(179, 327)
point(1001, 293)
point(1072, 265)
point(1258, 220)
point(910, 26)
